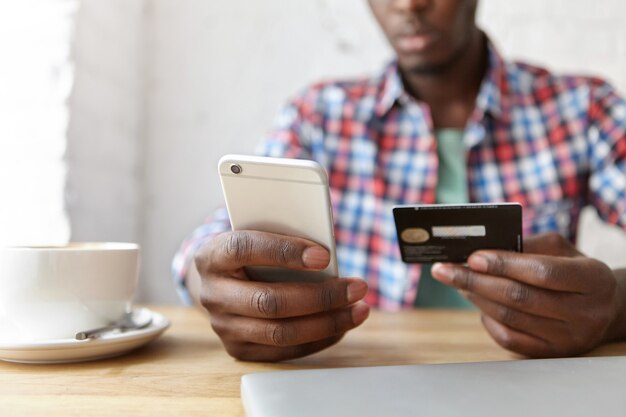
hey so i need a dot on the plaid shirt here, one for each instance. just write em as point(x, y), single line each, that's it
point(552, 143)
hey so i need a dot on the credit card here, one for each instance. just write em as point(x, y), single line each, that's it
point(450, 232)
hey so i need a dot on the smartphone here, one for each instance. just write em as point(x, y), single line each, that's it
point(280, 195)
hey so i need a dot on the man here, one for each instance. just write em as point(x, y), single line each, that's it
point(449, 121)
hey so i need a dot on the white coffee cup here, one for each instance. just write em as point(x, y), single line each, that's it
point(57, 291)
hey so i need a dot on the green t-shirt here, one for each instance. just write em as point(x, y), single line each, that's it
point(451, 189)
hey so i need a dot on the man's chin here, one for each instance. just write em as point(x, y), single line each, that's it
point(431, 67)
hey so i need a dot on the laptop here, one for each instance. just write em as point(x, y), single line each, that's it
point(526, 388)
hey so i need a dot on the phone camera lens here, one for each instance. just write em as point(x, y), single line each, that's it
point(235, 169)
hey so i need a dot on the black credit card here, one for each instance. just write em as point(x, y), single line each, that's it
point(450, 232)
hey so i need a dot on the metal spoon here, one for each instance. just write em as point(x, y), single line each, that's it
point(133, 320)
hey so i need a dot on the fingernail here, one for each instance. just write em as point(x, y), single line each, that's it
point(441, 272)
point(315, 257)
point(359, 313)
point(478, 262)
point(356, 290)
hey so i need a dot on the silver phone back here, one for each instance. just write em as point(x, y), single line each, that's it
point(283, 196)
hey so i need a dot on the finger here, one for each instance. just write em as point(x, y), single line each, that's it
point(515, 319)
point(233, 250)
point(290, 332)
point(516, 341)
point(543, 271)
point(550, 244)
point(263, 353)
point(506, 292)
point(280, 299)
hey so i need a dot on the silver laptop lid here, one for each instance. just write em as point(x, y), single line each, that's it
point(549, 387)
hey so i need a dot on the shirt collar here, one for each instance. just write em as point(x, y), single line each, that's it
point(492, 97)
point(391, 89)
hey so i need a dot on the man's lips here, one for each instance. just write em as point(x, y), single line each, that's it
point(416, 41)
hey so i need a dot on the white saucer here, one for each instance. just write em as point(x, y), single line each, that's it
point(71, 350)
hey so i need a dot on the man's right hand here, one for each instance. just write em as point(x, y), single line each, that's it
point(274, 321)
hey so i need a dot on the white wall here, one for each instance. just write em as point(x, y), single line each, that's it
point(36, 75)
point(105, 140)
point(180, 82)
point(104, 194)
point(564, 35)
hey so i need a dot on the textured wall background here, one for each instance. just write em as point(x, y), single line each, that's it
point(104, 195)
point(165, 87)
point(36, 75)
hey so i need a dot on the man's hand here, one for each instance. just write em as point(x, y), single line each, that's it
point(261, 321)
point(549, 301)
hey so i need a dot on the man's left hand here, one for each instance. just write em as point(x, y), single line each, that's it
point(547, 302)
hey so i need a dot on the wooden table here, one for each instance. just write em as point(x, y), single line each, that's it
point(186, 372)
